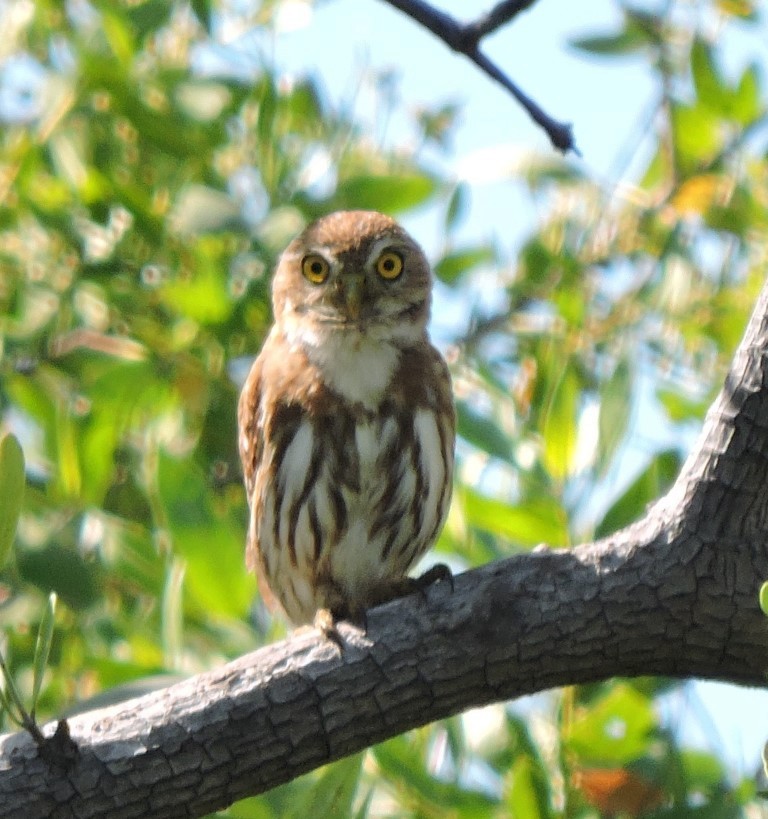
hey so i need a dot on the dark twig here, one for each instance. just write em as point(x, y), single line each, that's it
point(498, 16)
point(465, 39)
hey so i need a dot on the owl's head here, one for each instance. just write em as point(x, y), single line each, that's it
point(356, 272)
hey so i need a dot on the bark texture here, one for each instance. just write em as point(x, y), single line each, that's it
point(674, 594)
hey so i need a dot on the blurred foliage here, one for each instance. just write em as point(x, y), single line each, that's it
point(146, 186)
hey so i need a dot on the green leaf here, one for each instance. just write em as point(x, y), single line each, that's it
point(458, 205)
point(680, 408)
point(11, 697)
point(710, 88)
point(615, 403)
point(560, 429)
point(202, 10)
point(764, 598)
point(11, 492)
point(64, 570)
point(649, 485)
point(209, 538)
point(628, 41)
point(615, 730)
point(527, 792)
point(118, 35)
point(454, 265)
point(641, 31)
point(745, 101)
point(527, 524)
point(147, 17)
point(390, 194)
point(334, 791)
point(43, 648)
point(703, 771)
point(483, 433)
point(203, 296)
point(697, 135)
point(402, 761)
point(172, 613)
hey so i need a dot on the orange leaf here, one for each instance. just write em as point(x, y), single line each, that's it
point(617, 790)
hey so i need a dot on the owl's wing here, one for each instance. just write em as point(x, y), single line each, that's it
point(250, 436)
point(251, 445)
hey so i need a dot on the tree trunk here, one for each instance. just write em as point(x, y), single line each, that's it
point(675, 594)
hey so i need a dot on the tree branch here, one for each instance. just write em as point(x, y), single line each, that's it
point(465, 39)
point(675, 594)
point(498, 16)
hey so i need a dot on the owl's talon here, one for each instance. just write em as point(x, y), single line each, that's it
point(438, 573)
point(325, 623)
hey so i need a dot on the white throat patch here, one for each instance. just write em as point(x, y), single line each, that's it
point(356, 366)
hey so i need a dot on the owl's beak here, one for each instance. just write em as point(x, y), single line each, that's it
point(353, 288)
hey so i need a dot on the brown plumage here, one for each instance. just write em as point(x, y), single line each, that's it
point(346, 421)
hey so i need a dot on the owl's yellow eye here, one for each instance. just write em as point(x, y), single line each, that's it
point(315, 268)
point(389, 265)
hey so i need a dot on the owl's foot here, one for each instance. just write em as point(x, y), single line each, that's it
point(325, 622)
point(438, 573)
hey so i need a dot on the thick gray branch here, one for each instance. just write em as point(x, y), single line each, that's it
point(674, 594)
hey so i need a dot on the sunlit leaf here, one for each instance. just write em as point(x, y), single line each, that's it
point(202, 296)
point(527, 791)
point(527, 524)
point(172, 613)
point(43, 648)
point(118, 34)
point(696, 133)
point(11, 492)
point(560, 429)
point(764, 598)
point(616, 729)
point(679, 407)
point(711, 89)
point(391, 194)
point(745, 103)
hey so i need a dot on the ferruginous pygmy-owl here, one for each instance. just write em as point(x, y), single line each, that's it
point(346, 422)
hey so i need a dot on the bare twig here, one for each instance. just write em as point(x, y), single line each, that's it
point(465, 39)
point(498, 16)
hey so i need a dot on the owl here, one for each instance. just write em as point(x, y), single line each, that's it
point(346, 422)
